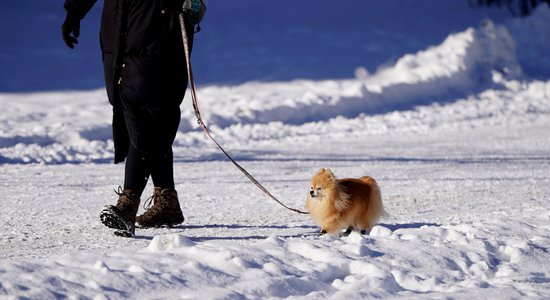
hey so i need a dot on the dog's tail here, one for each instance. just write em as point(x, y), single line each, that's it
point(376, 209)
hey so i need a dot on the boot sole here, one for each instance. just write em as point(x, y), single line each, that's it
point(111, 219)
point(171, 223)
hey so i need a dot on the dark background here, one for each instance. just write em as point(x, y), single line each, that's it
point(241, 40)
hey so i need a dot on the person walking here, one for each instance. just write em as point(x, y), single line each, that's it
point(146, 79)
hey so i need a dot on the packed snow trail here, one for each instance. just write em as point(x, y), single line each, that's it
point(459, 226)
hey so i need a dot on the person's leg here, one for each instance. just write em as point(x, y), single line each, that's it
point(122, 216)
point(137, 171)
point(162, 164)
point(166, 209)
point(162, 171)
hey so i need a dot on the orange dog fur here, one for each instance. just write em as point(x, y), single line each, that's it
point(335, 204)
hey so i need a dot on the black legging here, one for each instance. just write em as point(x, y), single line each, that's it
point(138, 169)
point(151, 132)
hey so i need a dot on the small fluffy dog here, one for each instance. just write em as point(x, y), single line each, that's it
point(335, 204)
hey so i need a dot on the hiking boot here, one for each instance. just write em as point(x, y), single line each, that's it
point(164, 211)
point(122, 216)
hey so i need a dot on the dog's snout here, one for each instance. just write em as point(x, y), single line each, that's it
point(312, 193)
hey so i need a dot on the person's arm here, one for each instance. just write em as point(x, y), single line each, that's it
point(76, 10)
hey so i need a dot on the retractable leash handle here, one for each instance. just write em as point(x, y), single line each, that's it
point(191, 82)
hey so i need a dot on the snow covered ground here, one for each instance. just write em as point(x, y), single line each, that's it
point(455, 134)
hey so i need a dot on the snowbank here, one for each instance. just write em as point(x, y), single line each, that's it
point(413, 261)
point(464, 65)
point(533, 41)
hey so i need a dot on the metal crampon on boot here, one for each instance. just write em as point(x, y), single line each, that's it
point(122, 216)
point(164, 211)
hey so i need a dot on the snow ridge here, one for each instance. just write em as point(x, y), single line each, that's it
point(466, 63)
point(311, 267)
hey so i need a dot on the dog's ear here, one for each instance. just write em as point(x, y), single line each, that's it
point(332, 176)
point(329, 174)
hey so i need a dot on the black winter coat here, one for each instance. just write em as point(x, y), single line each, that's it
point(145, 70)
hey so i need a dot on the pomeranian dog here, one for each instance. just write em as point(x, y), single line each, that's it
point(335, 204)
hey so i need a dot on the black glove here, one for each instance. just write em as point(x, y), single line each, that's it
point(71, 25)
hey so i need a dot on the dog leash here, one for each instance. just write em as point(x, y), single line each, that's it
point(201, 123)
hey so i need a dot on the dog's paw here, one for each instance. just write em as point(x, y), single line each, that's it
point(347, 232)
